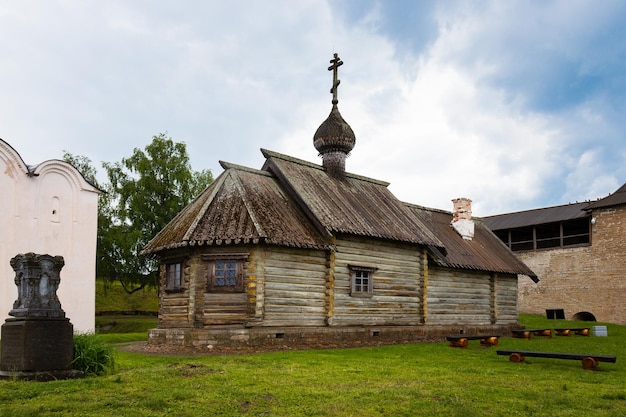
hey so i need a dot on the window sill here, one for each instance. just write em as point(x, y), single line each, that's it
point(362, 295)
point(174, 290)
point(225, 291)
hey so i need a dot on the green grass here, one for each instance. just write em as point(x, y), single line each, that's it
point(401, 380)
point(110, 296)
point(114, 324)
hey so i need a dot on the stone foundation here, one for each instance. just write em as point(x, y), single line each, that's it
point(315, 337)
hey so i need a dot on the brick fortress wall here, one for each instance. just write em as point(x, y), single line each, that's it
point(584, 279)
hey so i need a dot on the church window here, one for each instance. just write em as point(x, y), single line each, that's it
point(361, 281)
point(173, 276)
point(225, 273)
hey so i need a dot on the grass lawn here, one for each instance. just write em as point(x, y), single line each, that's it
point(122, 324)
point(110, 296)
point(401, 380)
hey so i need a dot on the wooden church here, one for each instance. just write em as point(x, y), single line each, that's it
point(300, 254)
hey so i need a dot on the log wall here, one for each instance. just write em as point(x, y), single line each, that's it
point(295, 292)
point(286, 287)
point(193, 306)
point(174, 306)
point(396, 298)
point(458, 297)
point(215, 308)
point(505, 292)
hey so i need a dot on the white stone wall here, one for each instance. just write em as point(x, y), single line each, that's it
point(49, 209)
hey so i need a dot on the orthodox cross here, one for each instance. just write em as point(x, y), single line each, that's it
point(336, 64)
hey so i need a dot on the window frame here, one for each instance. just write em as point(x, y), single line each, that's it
point(356, 270)
point(563, 234)
point(213, 260)
point(174, 286)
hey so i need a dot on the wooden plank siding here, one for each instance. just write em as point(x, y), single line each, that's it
point(295, 287)
point(458, 296)
point(174, 306)
point(506, 299)
point(396, 298)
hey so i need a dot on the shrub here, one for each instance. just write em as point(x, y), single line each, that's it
point(92, 354)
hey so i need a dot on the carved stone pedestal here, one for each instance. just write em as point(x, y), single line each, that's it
point(38, 342)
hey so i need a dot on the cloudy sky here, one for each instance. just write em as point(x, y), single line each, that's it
point(514, 104)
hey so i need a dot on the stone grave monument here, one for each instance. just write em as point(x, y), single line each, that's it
point(37, 341)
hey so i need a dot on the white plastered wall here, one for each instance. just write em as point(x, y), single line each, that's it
point(49, 209)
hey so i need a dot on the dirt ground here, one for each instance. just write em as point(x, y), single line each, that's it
point(173, 350)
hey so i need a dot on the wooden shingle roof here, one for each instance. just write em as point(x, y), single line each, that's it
point(485, 252)
point(353, 205)
point(294, 203)
point(241, 206)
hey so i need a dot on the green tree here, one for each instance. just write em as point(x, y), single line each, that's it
point(144, 192)
point(83, 165)
point(89, 172)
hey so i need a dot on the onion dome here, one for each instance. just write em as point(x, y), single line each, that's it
point(334, 134)
point(334, 139)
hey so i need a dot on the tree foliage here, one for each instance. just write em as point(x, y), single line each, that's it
point(83, 165)
point(144, 192)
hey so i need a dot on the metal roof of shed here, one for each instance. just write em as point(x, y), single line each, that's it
point(537, 216)
point(554, 214)
point(615, 199)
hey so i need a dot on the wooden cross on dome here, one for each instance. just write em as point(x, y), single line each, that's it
point(336, 64)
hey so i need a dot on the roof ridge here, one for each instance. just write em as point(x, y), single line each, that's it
point(216, 186)
point(230, 165)
point(426, 208)
point(246, 203)
point(272, 154)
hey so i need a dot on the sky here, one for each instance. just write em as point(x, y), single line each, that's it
point(513, 104)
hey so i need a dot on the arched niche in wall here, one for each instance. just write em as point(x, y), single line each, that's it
point(584, 316)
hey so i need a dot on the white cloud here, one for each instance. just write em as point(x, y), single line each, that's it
point(442, 132)
point(500, 107)
point(587, 180)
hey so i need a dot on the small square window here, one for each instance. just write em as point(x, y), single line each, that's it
point(225, 275)
point(173, 276)
point(361, 281)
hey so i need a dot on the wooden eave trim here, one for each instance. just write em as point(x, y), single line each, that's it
point(221, 256)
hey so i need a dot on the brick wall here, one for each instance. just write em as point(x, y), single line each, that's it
point(585, 279)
